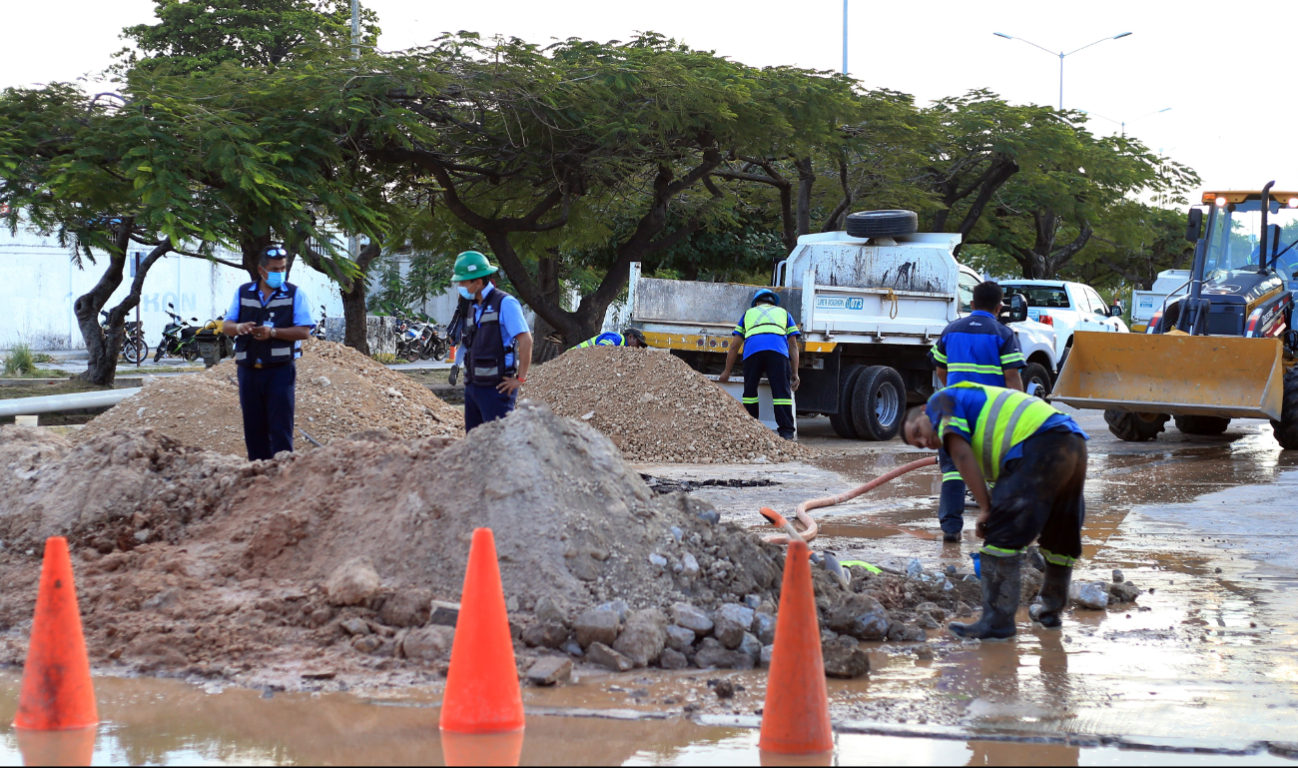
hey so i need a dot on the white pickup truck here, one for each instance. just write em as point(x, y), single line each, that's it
point(869, 311)
point(1067, 307)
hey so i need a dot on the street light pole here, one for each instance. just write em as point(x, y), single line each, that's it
point(356, 29)
point(1123, 123)
point(845, 37)
point(1061, 56)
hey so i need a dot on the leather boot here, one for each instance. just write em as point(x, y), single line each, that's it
point(1002, 586)
point(1054, 597)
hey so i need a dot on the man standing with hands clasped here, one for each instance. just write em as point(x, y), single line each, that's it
point(496, 344)
point(269, 320)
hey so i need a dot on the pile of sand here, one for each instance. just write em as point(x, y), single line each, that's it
point(339, 392)
point(655, 408)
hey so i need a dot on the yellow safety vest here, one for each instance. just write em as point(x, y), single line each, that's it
point(604, 340)
point(766, 318)
point(1007, 418)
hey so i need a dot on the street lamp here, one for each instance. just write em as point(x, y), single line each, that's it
point(1123, 123)
point(845, 37)
point(1029, 42)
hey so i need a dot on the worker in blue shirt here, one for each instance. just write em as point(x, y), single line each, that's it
point(769, 340)
point(1036, 456)
point(269, 320)
point(630, 337)
point(977, 348)
point(496, 343)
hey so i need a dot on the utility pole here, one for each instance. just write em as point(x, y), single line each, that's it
point(1061, 56)
point(845, 37)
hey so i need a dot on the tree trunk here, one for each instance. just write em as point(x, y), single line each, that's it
point(547, 344)
point(355, 315)
point(806, 180)
point(103, 348)
point(251, 250)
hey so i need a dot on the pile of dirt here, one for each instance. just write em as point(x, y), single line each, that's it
point(339, 392)
point(655, 408)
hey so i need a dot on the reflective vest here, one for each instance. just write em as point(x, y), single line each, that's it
point(484, 349)
point(604, 340)
point(278, 312)
point(1007, 418)
point(766, 318)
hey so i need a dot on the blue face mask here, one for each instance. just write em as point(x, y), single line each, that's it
point(275, 280)
point(465, 292)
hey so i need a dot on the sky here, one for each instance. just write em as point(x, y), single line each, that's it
point(1221, 68)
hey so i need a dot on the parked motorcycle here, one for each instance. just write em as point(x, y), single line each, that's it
point(177, 338)
point(212, 343)
point(134, 348)
point(318, 332)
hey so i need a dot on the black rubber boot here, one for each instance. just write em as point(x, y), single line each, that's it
point(1002, 586)
point(1054, 597)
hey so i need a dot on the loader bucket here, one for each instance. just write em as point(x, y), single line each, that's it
point(1225, 376)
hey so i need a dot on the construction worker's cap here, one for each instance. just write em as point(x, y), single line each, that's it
point(766, 295)
point(634, 333)
point(471, 265)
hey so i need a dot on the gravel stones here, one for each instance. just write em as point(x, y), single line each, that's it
point(680, 638)
point(861, 617)
point(545, 634)
point(673, 659)
point(712, 654)
point(407, 608)
point(644, 637)
point(764, 627)
point(732, 621)
point(352, 583)
point(686, 615)
point(598, 625)
point(549, 670)
point(429, 643)
point(1089, 594)
point(844, 658)
point(601, 655)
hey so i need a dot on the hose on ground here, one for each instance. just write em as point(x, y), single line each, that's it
point(810, 529)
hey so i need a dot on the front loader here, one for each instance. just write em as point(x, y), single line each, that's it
point(1224, 350)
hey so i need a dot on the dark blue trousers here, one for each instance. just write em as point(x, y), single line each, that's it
point(267, 397)
point(950, 510)
point(483, 404)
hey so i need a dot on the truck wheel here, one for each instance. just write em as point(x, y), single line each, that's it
point(882, 223)
point(842, 421)
point(1202, 425)
point(1286, 429)
point(1036, 373)
point(878, 403)
point(1135, 427)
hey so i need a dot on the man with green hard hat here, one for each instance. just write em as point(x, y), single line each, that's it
point(496, 343)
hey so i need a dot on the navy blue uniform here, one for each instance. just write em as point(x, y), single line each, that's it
point(489, 356)
point(267, 374)
point(977, 348)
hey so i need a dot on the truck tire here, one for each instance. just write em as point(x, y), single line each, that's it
point(1135, 427)
point(842, 421)
point(882, 223)
point(878, 403)
point(1036, 373)
point(1210, 426)
point(1286, 429)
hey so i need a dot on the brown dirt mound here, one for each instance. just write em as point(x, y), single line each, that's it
point(339, 392)
point(655, 408)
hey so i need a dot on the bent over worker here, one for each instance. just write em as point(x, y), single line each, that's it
point(629, 337)
point(269, 320)
point(496, 342)
point(980, 349)
point(1037, 458)
point(768, 337)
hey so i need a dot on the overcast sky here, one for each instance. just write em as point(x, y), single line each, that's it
point(1222, 68)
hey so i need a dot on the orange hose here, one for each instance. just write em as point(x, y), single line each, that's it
point(809, 525)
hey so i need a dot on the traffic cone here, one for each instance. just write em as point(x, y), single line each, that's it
point(482, 693)
point(482, 748)
point(450, 356)
point(795, 720)
point(57, 747)
point(57, 693)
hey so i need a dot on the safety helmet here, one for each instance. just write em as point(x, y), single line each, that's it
point(766, 295)
point(471, 265)
point(634, 333)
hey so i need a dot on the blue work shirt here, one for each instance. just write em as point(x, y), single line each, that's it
point(767, 342)
point(301, 310)
point(961, 406)
point(512, 322)
point(977, 348)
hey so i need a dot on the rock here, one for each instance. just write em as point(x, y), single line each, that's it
point(676, 532)
point(938, 614)
point(686, 615)
point(712, 654)
point(428, 643)
point(572, 649)
point(598, 625)
point(845, 658)
point(619, 607)
point(912, 633)
point(1117, 576)
point(753, 601)
point(689, 566)
point(545, 634)
point(352, 583)
point(764, 627)
point(444, 614)
point(767, 650)
point(366, 643)
point(914, 569)
point(657, 561)
point(547, 610)
point(673, 659)
point(732, 621)
point(407, 608)
point(606, 657)
point(751, 646)
point(1124, 593)
point(1089, 594)
point(355, 627)
point(710, 516)
point(679, 638)
point(644, 637)
point(963, 610)
point(860, 616)
point(925, 621)
point(549, 670)
point(724, 689)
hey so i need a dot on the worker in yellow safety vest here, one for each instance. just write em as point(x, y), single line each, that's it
point(1036, 456)
point(630, 337)
point(769, 340)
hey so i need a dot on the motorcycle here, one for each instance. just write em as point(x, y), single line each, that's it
point(408, 334)
point(318, 332)
point(177, 338)
point(134, 348)
point(213, 345)
point(432, 344)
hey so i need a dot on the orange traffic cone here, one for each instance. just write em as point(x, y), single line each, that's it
point(482, 693)
point(482, 748)
point(450, 356)
point(57, 693)
point(796, 718)
point(57, 747)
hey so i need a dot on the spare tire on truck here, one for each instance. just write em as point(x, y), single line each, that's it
point(893, 223)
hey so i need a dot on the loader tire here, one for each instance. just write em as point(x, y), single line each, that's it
point(1036, 373)
point(878, 403)
point(1209, 426)
point(1286, 429)
point(882, 223)
point(1135, 427)
point(842, 421)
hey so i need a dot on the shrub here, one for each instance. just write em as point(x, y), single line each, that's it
point(20, 361)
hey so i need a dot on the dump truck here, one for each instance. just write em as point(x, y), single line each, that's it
point(870, 305)
point(1224, 350)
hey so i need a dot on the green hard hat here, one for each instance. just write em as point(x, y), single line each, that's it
point(471, 265)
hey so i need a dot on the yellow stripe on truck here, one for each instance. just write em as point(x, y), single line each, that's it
point(698, 342)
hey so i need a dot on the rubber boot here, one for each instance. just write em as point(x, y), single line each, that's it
point(1054, 597)
point(1002, 587)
